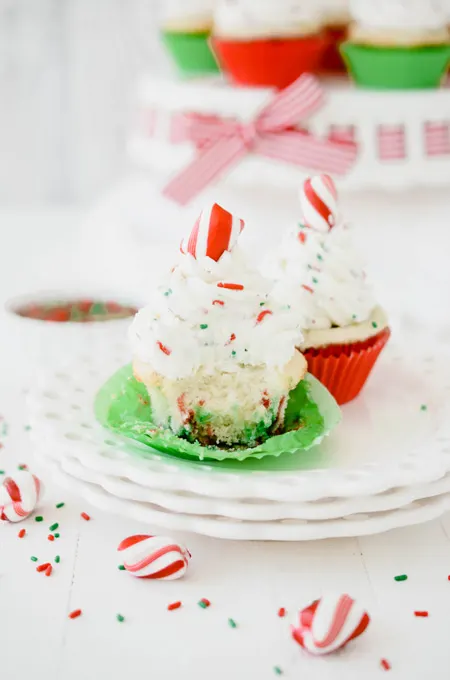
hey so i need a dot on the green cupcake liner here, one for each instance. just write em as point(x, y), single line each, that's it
point(122, 405)
point(191, 52)
point(396, 68)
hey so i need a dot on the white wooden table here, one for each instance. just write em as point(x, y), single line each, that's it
point(248, 582)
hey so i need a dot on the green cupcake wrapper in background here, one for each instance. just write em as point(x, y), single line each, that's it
point(396, 68)
point(122, 405)
point(191, 52)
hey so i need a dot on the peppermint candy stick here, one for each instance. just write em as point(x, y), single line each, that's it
point(319, 202)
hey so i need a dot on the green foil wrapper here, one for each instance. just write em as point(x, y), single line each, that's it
point(122, 405)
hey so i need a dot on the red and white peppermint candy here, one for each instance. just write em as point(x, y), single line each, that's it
point(319, 201)
point(156, 557)
point(329, 624)
point(215, 231)
point(19, 495)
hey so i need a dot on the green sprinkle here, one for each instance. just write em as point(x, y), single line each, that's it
point(33, 558)
point(277, 670)
point(60, 505)
point(120, 618)
point(233, 353)
point(121, 567)
point(314, 280)
point(402, 577)
point(57, 559)
point(261, 304)
point(232, 623)
point(27, 428)
point(39, 518)
point(354, 316)
point(319, 257)
point(168, 292)
point(2, 472)
point(424, 407)
point(22, 467)
point(203, 326)
point(54, 526)
point(56, 535)
point(374, 324)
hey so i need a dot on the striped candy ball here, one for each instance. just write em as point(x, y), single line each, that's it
point(329, 624)
point(215, 231)
point(19, 495)
point(156, 557)
point(319, 202)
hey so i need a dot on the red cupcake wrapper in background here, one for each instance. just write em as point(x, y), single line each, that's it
point(273, 62)
point(344, 369)
point(332, 61)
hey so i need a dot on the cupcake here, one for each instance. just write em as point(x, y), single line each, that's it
point(266, 43)
point(395, 44)
point(335, 19)
point(320, 276)
point(215, 352)
point(185, 30)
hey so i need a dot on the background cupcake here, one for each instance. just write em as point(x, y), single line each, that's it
point(261, 42)
point(320, 276)
point(398, 43)
point(336, 20)
point(215, 352)
point(186, 27)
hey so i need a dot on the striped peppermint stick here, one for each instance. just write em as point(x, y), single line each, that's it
point(19, 495)
point(329, 624)
point(319, 202)
point(155, 557)
point(215, 231)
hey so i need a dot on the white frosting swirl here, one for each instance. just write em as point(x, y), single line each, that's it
point(188, 11)
point(334, 11)
point(416, 15)
point(193, 322)
point(322, 278)
point(265, 18)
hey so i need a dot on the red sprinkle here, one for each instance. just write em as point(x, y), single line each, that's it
point(50, 537)
point(22, 533)
point(385, 664)
point(85, 516)
point(218, 302)
point(174, 605)
point(43, 567)
point(75, 614)
point(308, 288)
point(49, 570)
point(282, 612)
point(421, 614)
point(232, 339)
point(164, 349)
point(263, 314)
point(230, 286)
point(302, 237)
point(265, 401)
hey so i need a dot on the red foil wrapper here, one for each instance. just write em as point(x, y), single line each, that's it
point(344, 369)
point(275, 62)
point(332, 61)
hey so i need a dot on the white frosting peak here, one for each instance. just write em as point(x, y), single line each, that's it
point(191, 11)
point(264, 17)
point(399, 14)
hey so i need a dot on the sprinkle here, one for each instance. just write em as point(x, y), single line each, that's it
point(354, 317)
point(168, 292)
point(262, 315)
point(57, 559)
point(230, 286)
point(2, 472)
point(203, 326)
point(282, 612)
point(204, 603)
point(54, 526)
point(302, 237)
point(21, 533)
point(60, 505)
point(43, 567)
point(174, 605)
point(424, 407)
point(319, 257)
point(385, 664)
point(277, 670)
point(422, 615)
point(374, 324)
point(232, 339)
point(39, 518)
point(121, 567)
point(33, 558)
point(218, 302)
point(233, 353)
point(261, 304)
point(85, 516)
point(49, 570)
point(308, 288)
point(56, 535)
point(164, 349)
point(232, 623)
point(50, 537)
point(22, 466)
point(75, 614)
point(314, 280)
point(27, 428)
point(402, 577)
point(120, 618)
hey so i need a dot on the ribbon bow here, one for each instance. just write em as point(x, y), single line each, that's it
point(222, 143)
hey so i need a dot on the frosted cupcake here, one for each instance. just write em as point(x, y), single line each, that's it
point(320, 275)
point(261, 42)
point(336, 20)
point(398, 44)
point(214, 350)
point(185, 30)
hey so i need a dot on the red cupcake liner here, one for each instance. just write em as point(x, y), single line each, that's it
point(273, 62)
point(344, 369)
point(332, 61)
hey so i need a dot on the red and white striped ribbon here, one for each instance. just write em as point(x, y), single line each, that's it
point(391, 142)
point(437, 138)
point(274, 133)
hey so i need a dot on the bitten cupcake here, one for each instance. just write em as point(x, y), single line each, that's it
point(336, 20)
point(185, 30)
point(214, 350)
point(266, 43)
point(397, 43)
point(320, 276)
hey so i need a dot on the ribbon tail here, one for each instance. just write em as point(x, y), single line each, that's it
point(208, 166)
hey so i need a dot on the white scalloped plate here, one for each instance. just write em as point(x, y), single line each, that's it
point(385, 441)
point(226, 528)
